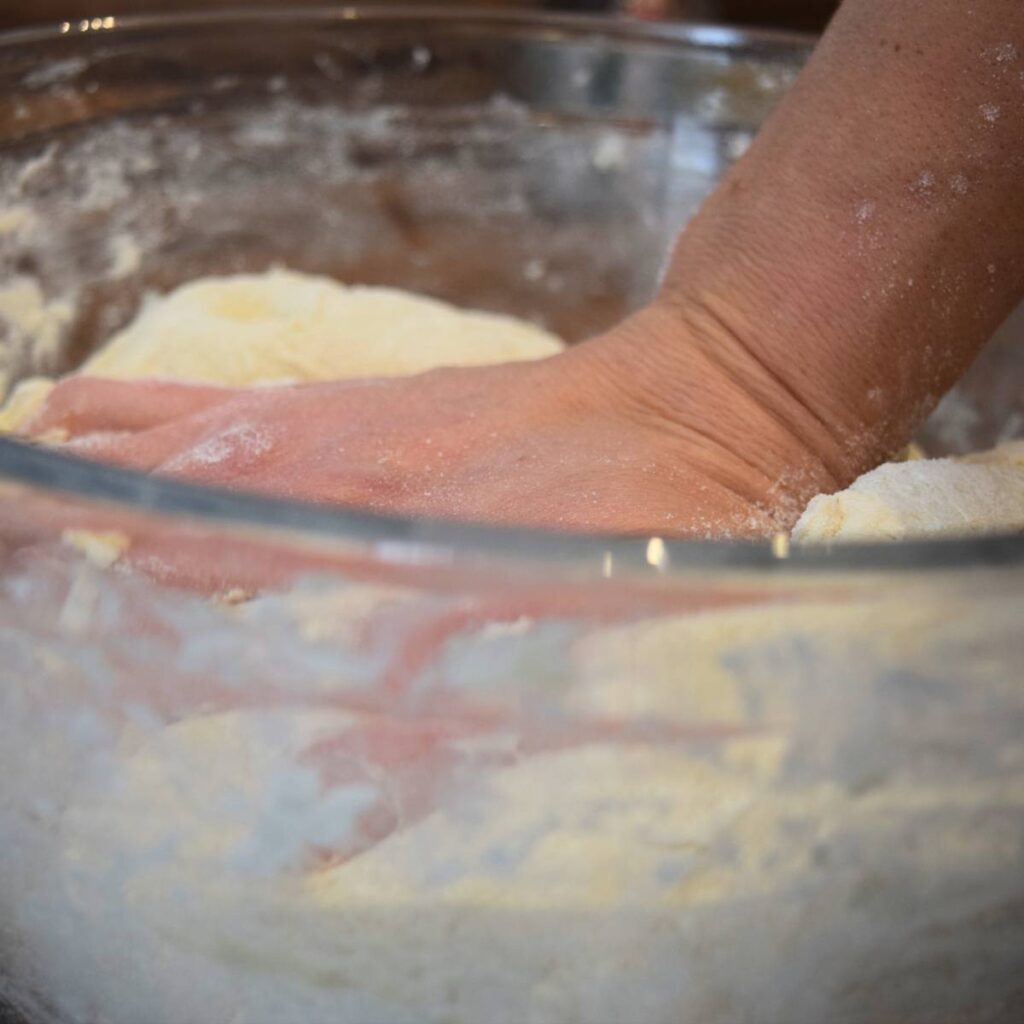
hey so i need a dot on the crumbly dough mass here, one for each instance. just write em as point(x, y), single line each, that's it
point(922, 498)
point(282, 326)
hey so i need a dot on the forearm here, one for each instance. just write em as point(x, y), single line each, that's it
point(854, 262)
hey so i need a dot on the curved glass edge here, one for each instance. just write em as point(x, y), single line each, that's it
point(697, 34)
point(451, 542)
point(428, 541)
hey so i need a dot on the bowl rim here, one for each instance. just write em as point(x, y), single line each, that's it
point(408, 539)
point(551, 25)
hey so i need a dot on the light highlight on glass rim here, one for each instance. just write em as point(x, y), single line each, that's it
point(90, 25)
point(657, 554)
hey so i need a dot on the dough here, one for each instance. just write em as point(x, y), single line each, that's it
point(963, 496)
point(285, 326)
point(591, 881)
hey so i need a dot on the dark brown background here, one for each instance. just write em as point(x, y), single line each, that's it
point(804, 14)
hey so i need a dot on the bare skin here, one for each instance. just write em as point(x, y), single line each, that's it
point(838, 282)
point(550, 443)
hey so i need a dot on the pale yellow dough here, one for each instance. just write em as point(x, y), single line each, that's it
point(194, 846)
point(965, 496)
point(284, 326)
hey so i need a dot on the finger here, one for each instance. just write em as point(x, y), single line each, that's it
point(86, 405)
point(144, 451)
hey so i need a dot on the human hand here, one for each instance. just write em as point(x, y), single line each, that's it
point(585, 441)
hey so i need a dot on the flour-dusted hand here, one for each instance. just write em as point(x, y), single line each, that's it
point(577, 442)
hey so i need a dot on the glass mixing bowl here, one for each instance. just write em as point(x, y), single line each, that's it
point(387, 770)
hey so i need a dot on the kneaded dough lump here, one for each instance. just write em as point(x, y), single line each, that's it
point(254, 329)
point(286, 326)
point(964, 496)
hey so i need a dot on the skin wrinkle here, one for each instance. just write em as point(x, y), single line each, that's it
point(776, 410)
point(645, 406)
point(747, 249)
point(666, 403)
point(603, 391)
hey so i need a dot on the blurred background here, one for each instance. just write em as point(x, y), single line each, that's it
point(794, 14)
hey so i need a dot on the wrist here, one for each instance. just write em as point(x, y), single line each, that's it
point(685, 374)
